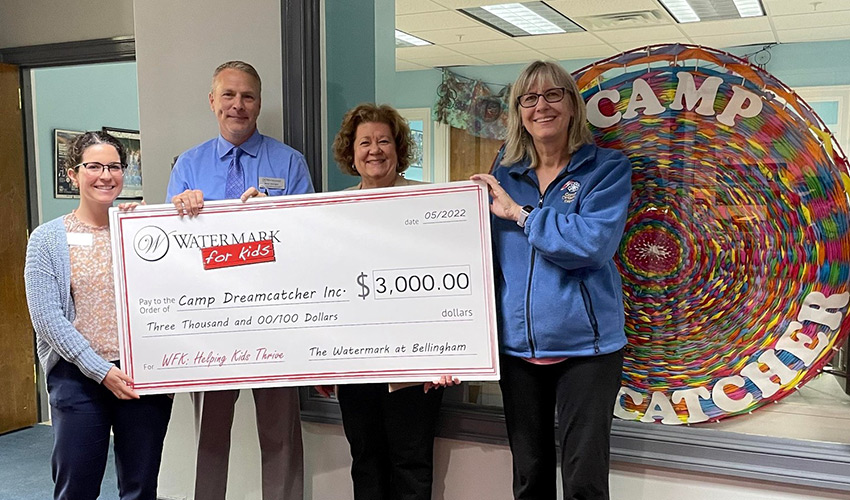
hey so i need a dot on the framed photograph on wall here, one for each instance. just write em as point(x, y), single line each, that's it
point(133, 174)
point(62, 185)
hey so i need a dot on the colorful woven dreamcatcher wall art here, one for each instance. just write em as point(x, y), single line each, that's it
point(736, 255)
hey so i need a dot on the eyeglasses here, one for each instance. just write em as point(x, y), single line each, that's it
point(551, 95)
point(97, 168)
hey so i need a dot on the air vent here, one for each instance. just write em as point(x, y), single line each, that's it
point(622, 20)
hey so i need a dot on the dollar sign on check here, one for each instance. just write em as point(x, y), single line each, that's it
point(364, 290)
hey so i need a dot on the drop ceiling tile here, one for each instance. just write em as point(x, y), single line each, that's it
point(559, 40)
point(512, 57)
point(734, 39)
point(654, 34)
point(403, 7)
point(402, 65)
point(415, 53)
point(581, 8)
point(434, 21)
point(785, 7)
point(839, 18)
point(488, 47)
point(580, 52)
point(448, 60)
point(714, 28)
point(460, 35)
point(463, 4)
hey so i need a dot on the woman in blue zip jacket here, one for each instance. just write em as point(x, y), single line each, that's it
point(559, 206)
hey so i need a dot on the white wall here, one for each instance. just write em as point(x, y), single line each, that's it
point(36, 22)
point(178, 45)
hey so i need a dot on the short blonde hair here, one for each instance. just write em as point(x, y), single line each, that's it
point(239, 66)
point(519, 144)
point(372, 113)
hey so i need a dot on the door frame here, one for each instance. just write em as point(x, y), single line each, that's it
point(31, 57)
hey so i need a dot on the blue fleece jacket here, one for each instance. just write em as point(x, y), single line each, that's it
point(559, 291)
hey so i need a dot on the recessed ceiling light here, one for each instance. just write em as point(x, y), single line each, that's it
point(403, 39)
point(523, 19)
point(691, 11)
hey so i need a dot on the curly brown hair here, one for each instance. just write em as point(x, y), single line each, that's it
point(76, 149)
point(372, 113)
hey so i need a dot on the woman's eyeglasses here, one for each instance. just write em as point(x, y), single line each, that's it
point(97, 168)
point(551, 95)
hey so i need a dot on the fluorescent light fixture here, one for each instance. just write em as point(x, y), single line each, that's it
point(403, 39)
point(681, 10)
point(523, 19)
point(692, 11)
point(749, 8)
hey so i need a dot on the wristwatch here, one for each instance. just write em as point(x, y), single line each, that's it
point(523, 215)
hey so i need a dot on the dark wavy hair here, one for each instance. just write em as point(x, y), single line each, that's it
point(372, 113)
point(76, 149)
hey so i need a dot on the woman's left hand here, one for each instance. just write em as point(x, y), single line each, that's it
point(120, 384)
point(444, 381)
point(129, 206)
point(502, 206)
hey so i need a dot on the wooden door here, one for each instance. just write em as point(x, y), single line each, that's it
point(471, 155)
point(17, 360)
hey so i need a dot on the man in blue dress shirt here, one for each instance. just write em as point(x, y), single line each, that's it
point(242, 163)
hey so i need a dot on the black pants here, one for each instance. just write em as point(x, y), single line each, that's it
point(84, 412)
point(583, 391)
point(392, 440)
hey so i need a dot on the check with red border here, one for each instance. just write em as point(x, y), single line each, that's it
point(382, 285)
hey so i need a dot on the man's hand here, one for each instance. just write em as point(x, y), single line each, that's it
point(189, 202)
point(251, 192)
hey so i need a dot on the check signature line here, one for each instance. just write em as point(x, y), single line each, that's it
point(335, 358)
point(306, 327)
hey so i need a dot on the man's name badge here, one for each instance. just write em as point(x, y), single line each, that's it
point(272, 183)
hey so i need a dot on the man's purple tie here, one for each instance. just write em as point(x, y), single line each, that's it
point(235, 185)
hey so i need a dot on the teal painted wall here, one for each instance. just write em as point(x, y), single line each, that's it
point(80, 98)
point(350, 69)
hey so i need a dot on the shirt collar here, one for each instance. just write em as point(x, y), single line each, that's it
point(250, 146)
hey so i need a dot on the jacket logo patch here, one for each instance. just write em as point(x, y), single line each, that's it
point(570, 189)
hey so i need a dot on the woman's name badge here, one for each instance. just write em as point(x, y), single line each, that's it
point(80, 239)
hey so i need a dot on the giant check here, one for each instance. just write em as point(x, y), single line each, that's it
point(391, 285)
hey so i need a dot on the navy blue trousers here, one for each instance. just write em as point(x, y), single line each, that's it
point(391, 435)
point(583, 391)
point(83, 413)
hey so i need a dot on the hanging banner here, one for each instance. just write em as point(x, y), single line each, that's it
point(736, 255)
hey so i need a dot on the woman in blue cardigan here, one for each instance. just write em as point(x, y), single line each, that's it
point(559, 209)
point(71, 299)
